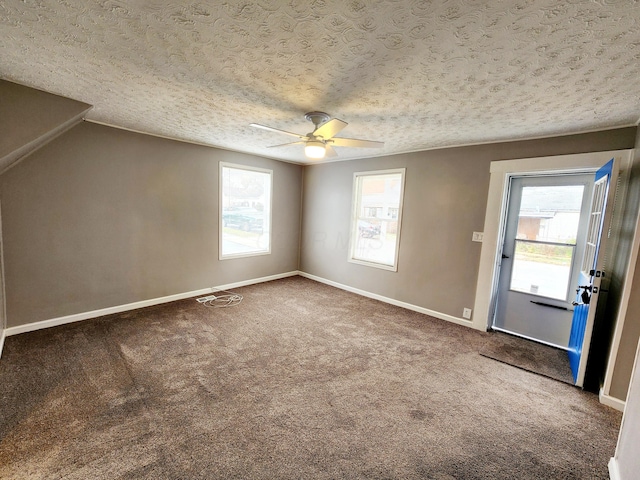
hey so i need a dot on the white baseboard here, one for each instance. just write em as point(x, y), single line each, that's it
point(254, 281)
point(611, 401)
point(2, 335)
point(30, 327)
point(392, 301)
point(614, 472)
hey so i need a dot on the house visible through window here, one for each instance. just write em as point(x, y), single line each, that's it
point(245, 211)
point(373, 212)
point(377, 211)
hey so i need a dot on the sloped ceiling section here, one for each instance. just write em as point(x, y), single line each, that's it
point(415, 74)
point(30, 118)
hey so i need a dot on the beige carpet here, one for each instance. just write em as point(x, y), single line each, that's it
point(300, 381)
point(534, 357)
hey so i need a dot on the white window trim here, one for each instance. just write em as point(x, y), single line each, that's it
point(354, 218)
point(220, 205)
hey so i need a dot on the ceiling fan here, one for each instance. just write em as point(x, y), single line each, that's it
point(320, 142)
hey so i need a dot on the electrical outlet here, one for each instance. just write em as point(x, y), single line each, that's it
point(477, 236)
point(466, 313)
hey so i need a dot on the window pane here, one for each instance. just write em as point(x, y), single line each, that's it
point(245, 211)
point(550, 214)
point(377, 215)
point(595, 222)
point(542, 269)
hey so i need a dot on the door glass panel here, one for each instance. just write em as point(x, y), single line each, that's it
point(550, 214)
point(542, 269)
point(593, 233)
point(545, 240)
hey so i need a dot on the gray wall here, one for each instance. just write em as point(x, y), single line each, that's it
point(628, 342)
point(102, 217)
point(437, 264)
point(445, 200)
point(27, 115)
point(631, 330)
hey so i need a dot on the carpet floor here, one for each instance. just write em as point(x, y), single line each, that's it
point(532, 356)
point(299, 381)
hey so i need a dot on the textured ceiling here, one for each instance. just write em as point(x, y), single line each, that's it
point(414, 74)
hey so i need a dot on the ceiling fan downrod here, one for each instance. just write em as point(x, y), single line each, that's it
point(317, 118)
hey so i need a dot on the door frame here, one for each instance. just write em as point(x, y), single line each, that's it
point(517, 183)
point(495, 216)
point(3, 303)
point(605, 391)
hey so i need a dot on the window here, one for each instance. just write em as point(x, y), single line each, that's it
point(545, 243)
point(245, 211)
point(375, 222)
point(598, 202)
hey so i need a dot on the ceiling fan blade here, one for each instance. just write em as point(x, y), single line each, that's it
point(329, 151)
point(287, 144)
point(329, 129)
point(353, 142)
point(271, 129)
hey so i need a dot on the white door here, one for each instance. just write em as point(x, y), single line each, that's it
point(592, 270)
point(545, 235)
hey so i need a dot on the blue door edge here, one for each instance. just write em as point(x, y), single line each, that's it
point(576, 337)
point(581, 311)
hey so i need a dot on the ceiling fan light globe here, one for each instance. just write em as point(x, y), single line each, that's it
point(314, 149)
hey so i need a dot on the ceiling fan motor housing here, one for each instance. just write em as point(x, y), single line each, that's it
point(317, 118)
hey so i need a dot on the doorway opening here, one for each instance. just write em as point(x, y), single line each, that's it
point(542, 250)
